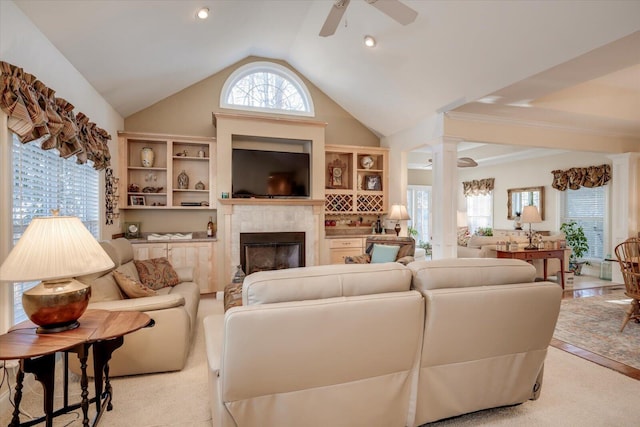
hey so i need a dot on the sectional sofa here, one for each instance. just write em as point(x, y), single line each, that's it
point(380, 344)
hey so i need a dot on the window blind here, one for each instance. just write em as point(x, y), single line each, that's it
point(42, 181)
point(479, 211)
point(587, 207)
point(419, 208)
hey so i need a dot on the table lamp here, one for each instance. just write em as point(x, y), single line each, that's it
point(398, 213)
point(54, 250)
point(531, 215)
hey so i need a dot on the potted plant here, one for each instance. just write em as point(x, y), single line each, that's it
point(577, 241)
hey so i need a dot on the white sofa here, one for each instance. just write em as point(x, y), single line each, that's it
point(485, 247)
point(352, 345)
point(164, 346)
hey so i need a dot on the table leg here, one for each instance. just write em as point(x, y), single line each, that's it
point(544, 263)
point(562, 270)
point(83, 354)
point(102, 351)
point(15, 420)
point(43, 369)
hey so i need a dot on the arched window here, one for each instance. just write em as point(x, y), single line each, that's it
point(268, 87)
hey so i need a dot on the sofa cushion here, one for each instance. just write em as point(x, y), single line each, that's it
point(156, 273)
point(469, 272)
point(384, 253)
point(105, 288)
point(130, 270)
point(324, 281)
point(131, 287)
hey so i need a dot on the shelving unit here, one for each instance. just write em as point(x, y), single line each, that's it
point(356, 180)
point(156, 187)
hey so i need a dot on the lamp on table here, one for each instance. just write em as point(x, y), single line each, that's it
point(531, 215)
point(54, 250)
point(398, 213)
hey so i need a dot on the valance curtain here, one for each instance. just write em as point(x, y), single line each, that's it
point(574, 178)
point(478, 187)
point(35, 114)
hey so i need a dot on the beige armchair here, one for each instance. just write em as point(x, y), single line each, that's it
point(382, 249)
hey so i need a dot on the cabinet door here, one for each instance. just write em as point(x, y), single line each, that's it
point(337, 256)
point(199, 256)
point(144, 251)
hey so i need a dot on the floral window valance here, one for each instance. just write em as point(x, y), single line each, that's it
point(574, 178)
point(478, 187)
point(35, 114)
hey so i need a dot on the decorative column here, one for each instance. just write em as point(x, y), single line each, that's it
point(444, 198)
point(625, 206)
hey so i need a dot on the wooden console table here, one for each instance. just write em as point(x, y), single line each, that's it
point(99, 330)
point(543, 254)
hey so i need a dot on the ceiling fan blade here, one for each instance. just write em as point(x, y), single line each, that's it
point(334, 17)
point(396, 10)
point(466, 162)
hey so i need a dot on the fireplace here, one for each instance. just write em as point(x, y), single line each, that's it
point(271, 251)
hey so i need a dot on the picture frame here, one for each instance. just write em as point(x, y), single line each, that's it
point(372, 183)
point(137, 200)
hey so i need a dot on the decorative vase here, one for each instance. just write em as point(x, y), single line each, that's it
point(147, 156)
point(183, 181)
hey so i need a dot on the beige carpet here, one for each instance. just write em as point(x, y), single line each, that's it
point(575, 393)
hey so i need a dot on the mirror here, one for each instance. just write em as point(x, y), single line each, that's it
point(518, 198)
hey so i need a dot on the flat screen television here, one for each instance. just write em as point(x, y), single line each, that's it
point(269, 174)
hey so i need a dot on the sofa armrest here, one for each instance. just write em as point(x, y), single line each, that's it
point(158, 302)
point(214, 336)
point(185, 274)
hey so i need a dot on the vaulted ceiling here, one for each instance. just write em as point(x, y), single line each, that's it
point(137, 52)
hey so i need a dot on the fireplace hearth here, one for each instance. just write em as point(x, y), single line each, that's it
point(271, 251)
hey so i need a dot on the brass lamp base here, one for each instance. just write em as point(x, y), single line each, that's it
point(56, 306)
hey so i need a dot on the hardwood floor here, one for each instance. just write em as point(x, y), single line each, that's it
point(586, 286)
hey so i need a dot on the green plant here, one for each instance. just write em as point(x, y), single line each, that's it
point(413, 232)
point(484, 231)
point(426, 246)
point(576, 239)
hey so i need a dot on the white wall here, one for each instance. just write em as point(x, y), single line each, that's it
point(530, 173)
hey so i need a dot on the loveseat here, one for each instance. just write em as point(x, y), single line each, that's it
point(165, 345)
point(379, 344)
point(473, 246)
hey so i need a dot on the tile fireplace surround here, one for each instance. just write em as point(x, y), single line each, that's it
point(281, 217)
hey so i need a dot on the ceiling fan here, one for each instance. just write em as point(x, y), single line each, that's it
point(463, 162)
point(393, 8)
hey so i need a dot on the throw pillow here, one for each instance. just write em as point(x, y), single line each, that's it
point(463, 236)
point(157, 273)
point(131, 287)
point(384, 253)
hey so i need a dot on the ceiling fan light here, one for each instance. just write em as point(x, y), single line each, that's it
point(369, 41)
point(203, 13)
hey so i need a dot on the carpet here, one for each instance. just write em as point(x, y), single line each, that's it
point(593, 324)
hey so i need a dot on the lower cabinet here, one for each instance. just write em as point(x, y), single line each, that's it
point(198, 255)
point(341, 248)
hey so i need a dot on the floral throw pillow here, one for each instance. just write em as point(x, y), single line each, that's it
point(157, 273)
point(131, 287)
point(463, 236)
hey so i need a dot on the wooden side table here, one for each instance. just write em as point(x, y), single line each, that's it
point(99, 330)
point(543, 254)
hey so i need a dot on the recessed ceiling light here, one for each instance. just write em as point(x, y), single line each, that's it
point(203, 13)
point(369, 41)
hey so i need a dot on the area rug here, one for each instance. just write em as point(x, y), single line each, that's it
point(593, 324)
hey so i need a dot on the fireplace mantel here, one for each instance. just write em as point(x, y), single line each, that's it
point(278, 202)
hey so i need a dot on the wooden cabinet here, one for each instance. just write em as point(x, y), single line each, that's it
point(344, 247)
point(198, 255)
point(356, 180)
point(154, 184)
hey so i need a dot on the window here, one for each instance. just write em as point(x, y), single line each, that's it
point(267, 87)
point(419, 206)
point(42, 180)
point(479, 211)
point(587, 207)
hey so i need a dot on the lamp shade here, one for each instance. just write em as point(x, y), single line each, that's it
point(54, 250)
point(399, 213)
point(530, 214)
